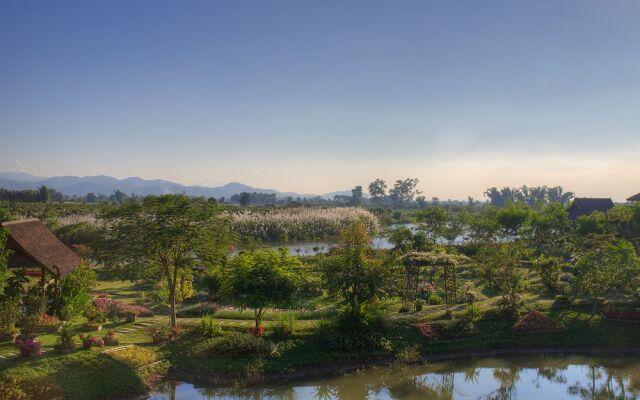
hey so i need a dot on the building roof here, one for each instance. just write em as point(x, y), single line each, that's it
point(32, 241)
point(635, 197)
point(586, 206)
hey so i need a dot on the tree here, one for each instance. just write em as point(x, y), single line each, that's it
point(512, 219)
point(44, 194)
point(164, 237)
point(118, 196)
point(245, 199)
point(356, 195)
point(401, 238)
point(501, 264)
point(261, 280)
point(609, 269)
point(378, 191)
point(353, 272)
point(90, 198)
point(433, 222)
point(549, 231)
point(404, 191)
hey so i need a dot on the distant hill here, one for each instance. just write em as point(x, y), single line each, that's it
point(80, 186)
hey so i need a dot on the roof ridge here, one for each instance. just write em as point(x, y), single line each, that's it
point(20, 221)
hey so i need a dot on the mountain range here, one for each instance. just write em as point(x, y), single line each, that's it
point(80, 186)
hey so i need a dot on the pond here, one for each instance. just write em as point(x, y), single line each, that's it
point(312, 248)
point(530, 377)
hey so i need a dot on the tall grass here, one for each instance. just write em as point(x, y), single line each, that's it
point(290, 224)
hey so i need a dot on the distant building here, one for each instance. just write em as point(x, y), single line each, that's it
point(635, 197)
point(34, 246)
point(586, 206)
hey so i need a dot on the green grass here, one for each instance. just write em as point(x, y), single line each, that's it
point(84, 374)
point(89, 374)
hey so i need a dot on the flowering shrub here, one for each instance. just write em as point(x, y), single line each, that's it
point(28, 346)
point(628, 315)
point(106, 304)
point(111, 338)
point(164, 334)
point(81, 249)
point(91, 341)
point(535, 321)
point(94, 314)
point(427, 330)
point(284, 224)
point(48, 320)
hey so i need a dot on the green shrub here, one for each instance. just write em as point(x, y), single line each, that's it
point(435, 299)
point(284, 325)
point(419, 304)
point(10, 314)
point(209, 327)
point(35, 302)
point(135, 356)
point(93, 314)
point(66, 341)
point(472, 314)
point(239, 344)
point(360, 330)
point(409, 355)
point(254, 370)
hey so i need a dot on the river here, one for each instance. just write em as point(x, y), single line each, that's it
point(523, 377)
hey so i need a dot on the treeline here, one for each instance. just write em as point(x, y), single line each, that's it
point(402, 194)
point(529, 195)
point(46, 194)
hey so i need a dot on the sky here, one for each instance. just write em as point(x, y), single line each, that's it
point(317, 96)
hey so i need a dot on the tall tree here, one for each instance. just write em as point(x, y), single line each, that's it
point(608, 269)
point(404, 191)
point(356, 195)
point(165, 237)
point(245, 199)
point(261, 280)
point(353, 272)
point(378, 191)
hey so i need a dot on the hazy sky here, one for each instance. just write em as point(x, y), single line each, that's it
point(316, 96)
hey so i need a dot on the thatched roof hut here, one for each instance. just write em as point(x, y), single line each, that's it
point(586, 206)
point(34, 245)
point(635, 197)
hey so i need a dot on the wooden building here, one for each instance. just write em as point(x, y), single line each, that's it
point(635, 197)
point(586, 206)
point(34, 246)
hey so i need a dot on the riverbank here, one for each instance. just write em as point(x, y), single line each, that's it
point(306, 356)
point(90, 374)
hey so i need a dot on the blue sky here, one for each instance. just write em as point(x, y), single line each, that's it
point(315, 96)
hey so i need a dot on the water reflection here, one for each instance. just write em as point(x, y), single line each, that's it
point(488, 379)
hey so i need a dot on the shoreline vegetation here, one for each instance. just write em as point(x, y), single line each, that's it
point(164, 293)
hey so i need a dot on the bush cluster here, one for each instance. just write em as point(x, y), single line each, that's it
point(238, 344)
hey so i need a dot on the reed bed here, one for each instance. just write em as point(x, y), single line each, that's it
point(299, 224)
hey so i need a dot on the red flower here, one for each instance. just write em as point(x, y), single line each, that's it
point(427, 330)
point(536, 321)
point(257, 332)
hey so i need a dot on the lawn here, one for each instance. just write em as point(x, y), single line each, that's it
point(86, 374)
